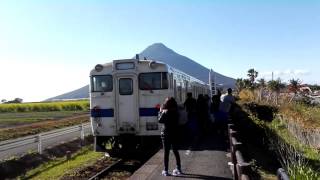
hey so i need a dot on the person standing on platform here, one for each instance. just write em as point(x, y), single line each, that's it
point(202, 113)
point(216, 100)
point(169, 117)
point(190, 106)
point(191, 125)
point(227, 102)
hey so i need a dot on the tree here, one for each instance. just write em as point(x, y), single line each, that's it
point(16, 100)
point(262, 85)
point(294, 85)
point(242, 84)
point(239, 84)
point(252, 74)
point(3, 101)
point(275, 86)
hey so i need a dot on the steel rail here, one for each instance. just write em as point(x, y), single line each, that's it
point(105, 170)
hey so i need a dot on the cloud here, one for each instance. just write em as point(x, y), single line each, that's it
point(285, 74)
point(301, 72)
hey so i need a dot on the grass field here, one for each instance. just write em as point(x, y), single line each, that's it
point(17, 120)
point(81, 105)
point(23, 118)
point(42, 125)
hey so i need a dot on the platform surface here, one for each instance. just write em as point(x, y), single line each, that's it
point(207, 160)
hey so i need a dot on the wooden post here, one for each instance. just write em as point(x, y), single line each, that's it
point(68, 155)
point(81, 135)
point(39, 144)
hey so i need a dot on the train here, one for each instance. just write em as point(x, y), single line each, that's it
point(125, 98)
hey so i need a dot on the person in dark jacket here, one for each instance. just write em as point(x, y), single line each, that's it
point(216, 99)
point(192, 125)
point(169, 116)
point(202, 113)
point(190, 105)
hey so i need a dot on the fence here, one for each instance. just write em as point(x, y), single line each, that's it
point(42, 141)
point(241, 169)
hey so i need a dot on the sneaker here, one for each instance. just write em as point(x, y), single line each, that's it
point(165, 173)
point(176, 172)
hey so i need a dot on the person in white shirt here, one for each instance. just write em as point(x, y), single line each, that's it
point(226, 102)
point(224, 108)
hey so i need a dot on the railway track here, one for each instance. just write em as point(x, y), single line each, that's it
point(105, 171)
point(113, 168)
point(121, 168)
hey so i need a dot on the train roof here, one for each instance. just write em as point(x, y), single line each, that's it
point(170, 68)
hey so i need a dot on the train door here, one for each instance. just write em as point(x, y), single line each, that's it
point(127, 104)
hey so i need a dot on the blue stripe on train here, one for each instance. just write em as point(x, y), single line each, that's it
point(110, 112)
point(102, 113)
point(148, 111)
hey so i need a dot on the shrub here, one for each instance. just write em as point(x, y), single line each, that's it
point(246, 95)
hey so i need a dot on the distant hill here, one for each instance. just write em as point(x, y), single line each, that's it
point(160, 52)
point(76, 94)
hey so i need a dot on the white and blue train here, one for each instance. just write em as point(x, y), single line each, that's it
point(125, 97)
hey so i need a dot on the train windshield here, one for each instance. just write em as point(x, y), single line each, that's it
point(101, 83)
point(153, 81)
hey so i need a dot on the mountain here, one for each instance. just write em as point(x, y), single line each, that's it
point(76, 94)
point(160, 52)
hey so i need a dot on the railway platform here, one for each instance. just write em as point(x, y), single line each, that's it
point(207, 160)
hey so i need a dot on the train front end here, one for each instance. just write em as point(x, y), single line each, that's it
point(125, 97)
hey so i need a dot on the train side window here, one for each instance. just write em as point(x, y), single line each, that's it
point(153, 81)
point(164, 81)
point(171, 80)
point(125, 86)
point(187, 89)
point(180, 91)
point(175, 88)
point(101, 83)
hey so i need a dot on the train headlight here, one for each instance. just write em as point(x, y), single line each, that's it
point(152, 126)
point(98, 67)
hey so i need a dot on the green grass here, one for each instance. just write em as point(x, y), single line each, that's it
point(10, 119)
point(303, 169)
point(55, 169)
point(284, 133)
point(82, 105)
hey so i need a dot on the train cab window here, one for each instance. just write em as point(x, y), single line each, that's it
point(125, 86)
point(153, 81)
point(101, 83)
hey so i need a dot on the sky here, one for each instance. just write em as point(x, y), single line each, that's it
point(47, 48)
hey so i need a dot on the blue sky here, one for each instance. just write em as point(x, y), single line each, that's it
point(48, 47)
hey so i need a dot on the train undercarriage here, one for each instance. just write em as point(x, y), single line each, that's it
point(125, 144)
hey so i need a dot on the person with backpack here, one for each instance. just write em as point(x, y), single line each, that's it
point(169, 116)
